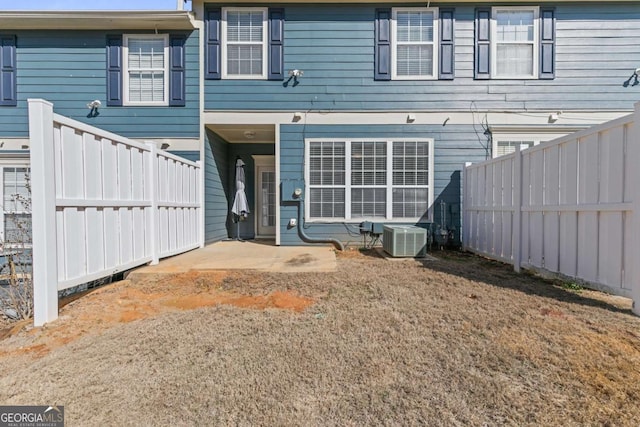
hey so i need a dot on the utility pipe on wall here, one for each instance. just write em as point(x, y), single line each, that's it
point(337, 243)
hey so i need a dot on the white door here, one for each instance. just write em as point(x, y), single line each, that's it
point(266, 197)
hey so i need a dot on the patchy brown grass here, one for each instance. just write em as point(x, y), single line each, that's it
point(459, 341)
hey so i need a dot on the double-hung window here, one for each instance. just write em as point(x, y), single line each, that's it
point(146, 69)
point(515, 42)
point(415, 43)
point(16, 201)
point(244, 38)
point(388, 179)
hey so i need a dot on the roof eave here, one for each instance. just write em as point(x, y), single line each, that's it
point(97, 20)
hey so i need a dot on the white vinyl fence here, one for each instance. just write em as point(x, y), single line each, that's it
point(102, 204)
point(569, 206)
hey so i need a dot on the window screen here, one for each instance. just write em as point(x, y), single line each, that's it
point(245, 40)
point(146, 70)
point(414, 43)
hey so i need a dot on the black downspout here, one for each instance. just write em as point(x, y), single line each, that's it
point(337, 243)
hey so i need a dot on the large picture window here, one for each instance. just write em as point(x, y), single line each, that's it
point(369, 179)
point(146, 69)
point(244, 35)
point(515, 45)
point(415, 50)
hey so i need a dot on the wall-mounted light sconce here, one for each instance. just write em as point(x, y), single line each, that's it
point(553, 117)
point(633, 79)
point(293, 75)
point(297, 116)
point(93, 108)
point(164, 145)
point(411, 118)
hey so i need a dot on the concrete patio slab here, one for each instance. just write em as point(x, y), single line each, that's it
point(248, 255)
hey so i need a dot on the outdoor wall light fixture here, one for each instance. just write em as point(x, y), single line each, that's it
point(93, 108)
point(633, 79)
point(411, 118)
point(293, 75)
point(297, 116)
point(553, 117)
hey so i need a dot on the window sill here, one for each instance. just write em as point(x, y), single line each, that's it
point(328, 221)
point(145, 104)
point(409, 78)
point(256, 77)
point(515, 78)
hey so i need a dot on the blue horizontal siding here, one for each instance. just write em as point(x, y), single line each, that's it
point(334, 46)
point(68, 68)
point(216, 187)
point(193, 156)
point(453, 146)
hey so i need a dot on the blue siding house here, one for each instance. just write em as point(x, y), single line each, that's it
point(141, 67)
point(341, 112)
point(371, 109)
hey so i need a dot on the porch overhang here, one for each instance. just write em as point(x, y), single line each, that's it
point(249, 133)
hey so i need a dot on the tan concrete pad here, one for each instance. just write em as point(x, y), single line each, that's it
point(248, 255)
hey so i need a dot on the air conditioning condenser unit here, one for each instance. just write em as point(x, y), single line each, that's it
point(404, 241)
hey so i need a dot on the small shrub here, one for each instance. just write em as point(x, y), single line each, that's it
point(572, 286)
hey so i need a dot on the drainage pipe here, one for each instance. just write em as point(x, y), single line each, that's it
point(337, 243)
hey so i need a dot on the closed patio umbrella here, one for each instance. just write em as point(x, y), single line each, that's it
point(240, 206)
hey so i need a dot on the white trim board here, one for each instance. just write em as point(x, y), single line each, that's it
point(495, 118)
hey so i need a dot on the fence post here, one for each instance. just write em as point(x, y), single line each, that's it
point(152, 176)
point(43, 212)
point(464, 231)
point(200, 201)
point(517, 210)
point(633, 152)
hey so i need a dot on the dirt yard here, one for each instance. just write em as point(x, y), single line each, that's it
point(458, 341)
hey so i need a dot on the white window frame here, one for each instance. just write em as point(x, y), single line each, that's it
point(12, 164)
point(394, 42)
point(525, 135)
point(389, 185)
point(125, 69)
point(265, 43)
point(535, 42)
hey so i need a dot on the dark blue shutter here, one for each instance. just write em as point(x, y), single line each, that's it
point(276, 43)
point(383, 45)
point(8, 95)
point(212, 57)
point(447, 51)
point(482, 66)
point(176, 71)
point(114, 70)
point(547, 43)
